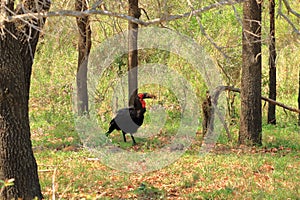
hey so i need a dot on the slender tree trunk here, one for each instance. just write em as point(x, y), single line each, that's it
point(17, 49)
point(84, 46)
point(133, 11)
point(299, 100)
point(251, 117)
point(272, 65)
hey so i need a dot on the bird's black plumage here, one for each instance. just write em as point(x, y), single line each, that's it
point(130, 119)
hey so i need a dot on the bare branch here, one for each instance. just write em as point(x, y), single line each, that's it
point(205, 34)
point(215, 96)
point(230, 88)
point(280, 13)
point(212, 41)
point(290, 23)
point(287, 5)
point(72, 13)
point(97, 4)
point(237, 16)
point(145, 13)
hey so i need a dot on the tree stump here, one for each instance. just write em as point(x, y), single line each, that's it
point(207, 110)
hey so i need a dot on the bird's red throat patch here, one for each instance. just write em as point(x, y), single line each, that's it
point(141, 97)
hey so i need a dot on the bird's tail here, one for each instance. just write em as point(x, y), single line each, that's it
point(107, 133)
point(111, 127)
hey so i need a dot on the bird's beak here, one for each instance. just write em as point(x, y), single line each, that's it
point(152, 96)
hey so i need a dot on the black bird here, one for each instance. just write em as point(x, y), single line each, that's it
point(130, 119)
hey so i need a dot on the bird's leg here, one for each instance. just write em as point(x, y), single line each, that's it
point(124, 136)
point(133, 140)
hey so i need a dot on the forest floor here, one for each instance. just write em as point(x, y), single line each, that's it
point(228, 171)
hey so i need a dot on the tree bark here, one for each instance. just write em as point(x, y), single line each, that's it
point(208, 112)
point(133, 11)
point(84, 47)
point(17, 48)
point(251, 115)
point(272, 65)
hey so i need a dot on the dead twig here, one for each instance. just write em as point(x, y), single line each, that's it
point(46, 170)
point(145, 13)
point(53, 183)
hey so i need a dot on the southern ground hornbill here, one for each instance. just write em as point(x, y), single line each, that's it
point(130, 119)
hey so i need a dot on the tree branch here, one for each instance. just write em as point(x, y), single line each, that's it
point(233, 89)
point(202, 29)
point(280, 13)
point(237, 16)
point(97, 4)
point(215, 96)
point(288, 7)
point(72, 13)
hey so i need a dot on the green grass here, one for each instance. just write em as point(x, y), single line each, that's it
point(282, 136)
point(244, 175)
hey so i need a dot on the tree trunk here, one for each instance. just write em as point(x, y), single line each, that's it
point(299, 100)
point(272, 65)
point(84, 46)
point(133, 11)
point(251, 116)
point(17, 48)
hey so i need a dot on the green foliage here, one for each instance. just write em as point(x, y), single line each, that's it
point(280, 136)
